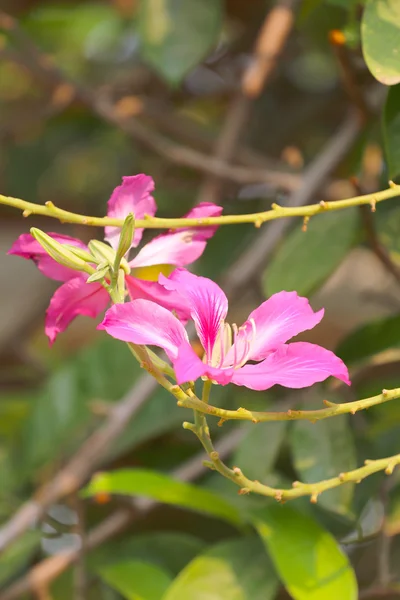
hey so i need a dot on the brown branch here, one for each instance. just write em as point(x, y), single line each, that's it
point(376, 246)
point(255, 257)
point(81, 465)
point(268, 47)
point(50, 568)
point(44, 68)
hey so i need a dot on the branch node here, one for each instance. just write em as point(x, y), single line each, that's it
point(258, 223)
point(305, 223)
point(392, 184)
point(278, 495)
point(385, 393)
point(209, 465)
point(214, 455)
point(373, 205)
point(296, 484)
point(314, 498)
point(237, 471)
point(26, 213)
point(390, 468)
point(244, 491)
point(342, 476)
point(323, 204)
point(221, 422)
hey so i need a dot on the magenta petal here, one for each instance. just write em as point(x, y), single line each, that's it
point(203, 210)
point(132, 196)
point(178, 249)
point(208, 303)
point(189, 367)
point(73, 298)
point(27, 247)
point(182, 246)
point(154, 291)
point(143, 322)
point(277, 320)
point(294, 365)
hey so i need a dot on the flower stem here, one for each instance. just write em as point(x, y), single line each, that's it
point(276, 212)
point(332, 409)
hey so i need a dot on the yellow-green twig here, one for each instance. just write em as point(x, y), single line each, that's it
point(277, 212)
point(332, 410)
point(200, 429)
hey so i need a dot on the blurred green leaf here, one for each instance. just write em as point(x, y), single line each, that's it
point(177, 34)
point(322, 450)
point(18, 554)
point(235, 570)
point(370, 339)
point(258, 450)
point(391, 128)
point(306, 259)
point(307, 558)
point(136, 580)
point(154, 548)
point(380, 34)
point(163, 488)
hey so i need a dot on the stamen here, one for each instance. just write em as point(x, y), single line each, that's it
point(235, 337)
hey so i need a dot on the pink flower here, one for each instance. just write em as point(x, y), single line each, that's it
point(77, 297)
point(228, 349)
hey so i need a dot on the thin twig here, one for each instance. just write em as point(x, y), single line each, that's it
point(332, 410)
point(80, 578)
point(268, 47)
point(375, 244)
point(257, 219)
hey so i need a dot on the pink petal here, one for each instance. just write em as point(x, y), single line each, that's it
point(144, 322)
point(294, 365)
point(277, 320)
point(27, 247)
point(182, 246)
point(201, 211)
point(154, 291)
point(189, 367)
point(207, 302)
point(132, 196)
point(73, 298)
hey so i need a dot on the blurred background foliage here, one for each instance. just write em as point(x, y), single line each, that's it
point(91, 91)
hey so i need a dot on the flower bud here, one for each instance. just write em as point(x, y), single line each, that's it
point(102, 252)
point(59, 252)
point(83, 254)
point(125, 240)
point(100, 273)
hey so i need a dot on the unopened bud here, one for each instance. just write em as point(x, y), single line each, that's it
point(81, 253)
point(103, 252)
point(126, 237)
point(59, 252)
point(100, 273)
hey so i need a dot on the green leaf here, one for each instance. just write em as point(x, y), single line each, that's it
point(380, 34)
point(370, 339)
point(307, 558)
point(306, 259)
point(18, 554)
point(154, 548)
point(136, 580)
point(163, 488)
point(257, 451)
point(391, 130)
point(177, 34)
point(322, 450)
point(234, 570)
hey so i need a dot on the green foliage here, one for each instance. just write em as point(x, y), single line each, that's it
point(136, 580)
point(237, 569)
point(370, 339)
point(322, 450)
point(391, 130)
point(307, 558)
point(306, 259)
point(176, 34)
point(380, 34)
point(18, 555)
point(257, 452)
point(163, 488)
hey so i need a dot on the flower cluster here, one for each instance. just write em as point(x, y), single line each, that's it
point(255, 355)
point(173, 249)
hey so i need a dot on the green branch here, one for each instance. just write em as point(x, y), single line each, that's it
point(276, 212)
point(332, 410)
